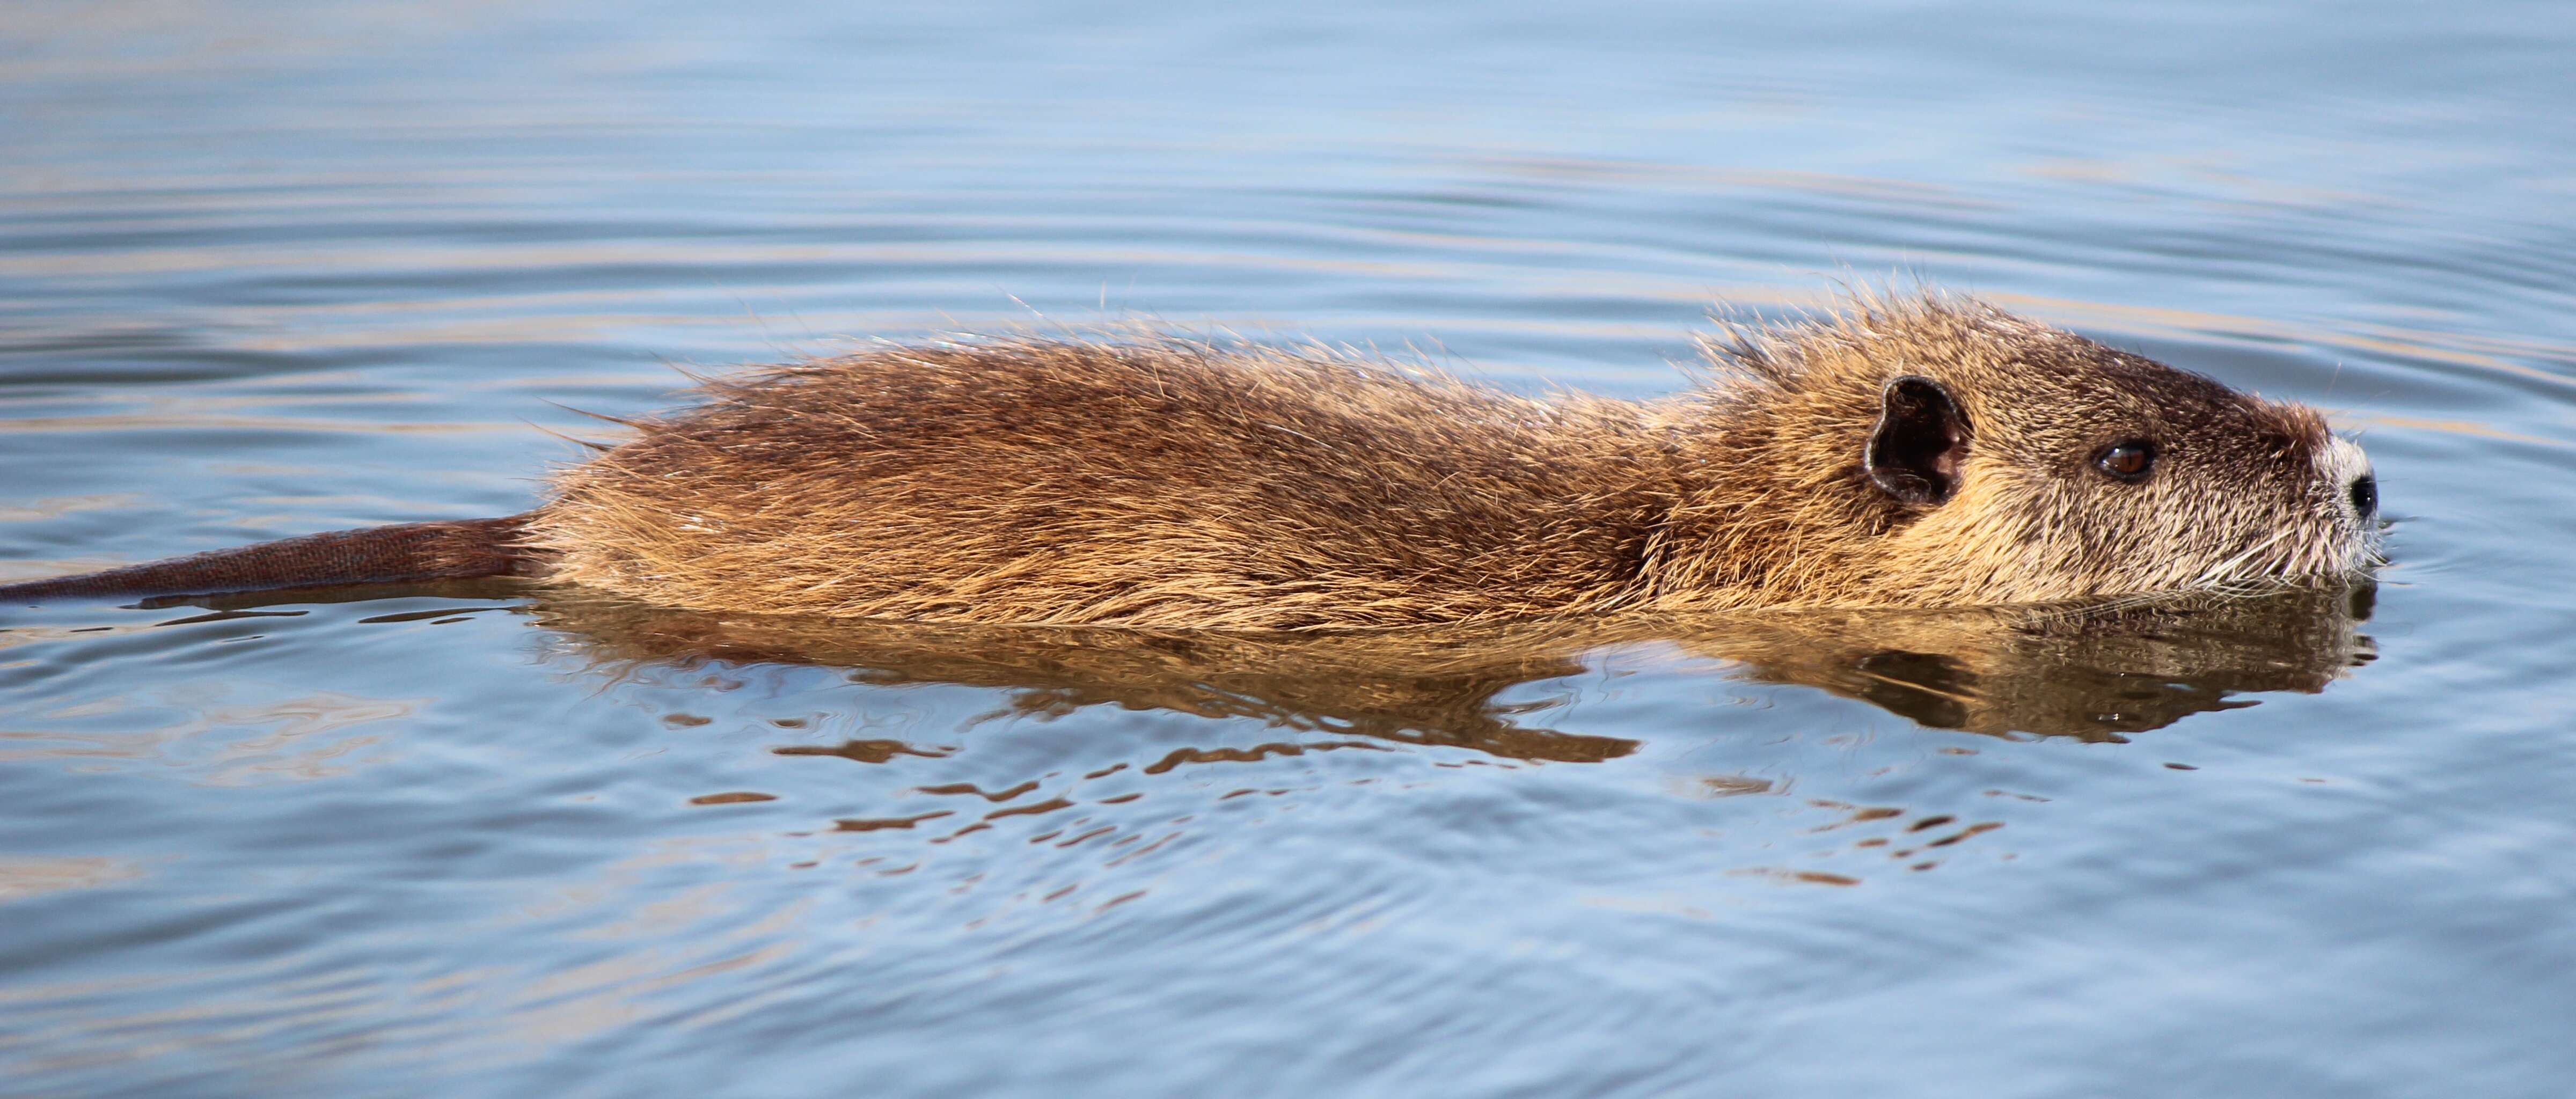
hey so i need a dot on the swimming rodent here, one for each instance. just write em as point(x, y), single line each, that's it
point(1914, 452)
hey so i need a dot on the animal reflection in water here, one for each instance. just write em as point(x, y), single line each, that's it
point(2095, 675)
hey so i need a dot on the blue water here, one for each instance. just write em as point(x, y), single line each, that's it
point(274, 268)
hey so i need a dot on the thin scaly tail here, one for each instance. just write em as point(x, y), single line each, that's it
point(460, 549)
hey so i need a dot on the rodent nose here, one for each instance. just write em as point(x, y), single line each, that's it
point(2365, 495)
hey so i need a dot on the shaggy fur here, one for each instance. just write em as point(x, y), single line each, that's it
point(1173, 484)
point(2245, 492)
point(1166, 483)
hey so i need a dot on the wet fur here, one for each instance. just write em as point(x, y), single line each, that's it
point(1175, 484)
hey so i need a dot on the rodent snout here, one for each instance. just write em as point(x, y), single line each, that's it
point(2343, 463)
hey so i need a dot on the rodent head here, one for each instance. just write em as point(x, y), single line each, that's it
point(1988, 459)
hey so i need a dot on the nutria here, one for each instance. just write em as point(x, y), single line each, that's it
point(1904, 453)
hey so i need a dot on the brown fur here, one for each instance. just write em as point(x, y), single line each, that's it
point(1172, 484)
point(1165, 483)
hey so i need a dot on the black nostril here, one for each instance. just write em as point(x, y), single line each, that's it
point(2365, 495)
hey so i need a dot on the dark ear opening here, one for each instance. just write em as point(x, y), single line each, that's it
point(1921, 438)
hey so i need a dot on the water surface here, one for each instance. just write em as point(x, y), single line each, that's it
point(267, 269)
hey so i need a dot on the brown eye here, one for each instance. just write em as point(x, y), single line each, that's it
point(2129, 460)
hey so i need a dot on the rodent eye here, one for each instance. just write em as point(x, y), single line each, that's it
point(2128, 460)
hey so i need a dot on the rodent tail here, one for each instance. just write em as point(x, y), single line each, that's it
point(459, 549)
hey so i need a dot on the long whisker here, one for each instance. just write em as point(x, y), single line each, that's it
point(2220, 573)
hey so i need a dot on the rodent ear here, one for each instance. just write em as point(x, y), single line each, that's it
point(1921, 439)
